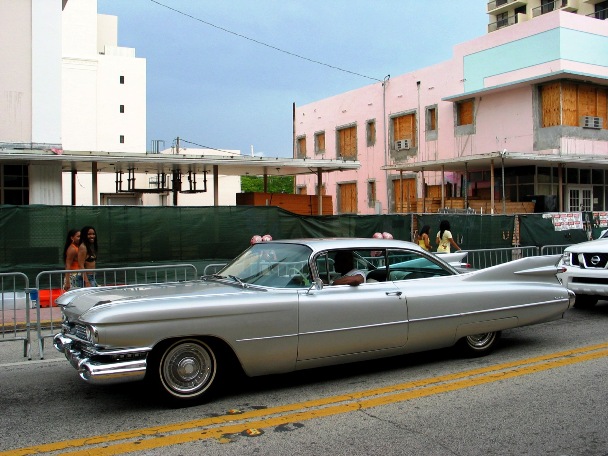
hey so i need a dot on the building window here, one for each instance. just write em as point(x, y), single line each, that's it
point(122, 79)
point(371, 193)
point(370, 132)
point(14, 185)
point(122, 109)
point(404, 127)
point(464, 112)
point(502, 20)
point(573, 104)
point(347, 198)
point(301, 147)
point(601, 10)
point(431, 118)
point(122, 139)
point(320, 142)
point(347, 142)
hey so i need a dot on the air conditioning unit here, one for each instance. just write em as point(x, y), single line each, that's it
point(592, 122)
point(402, 144)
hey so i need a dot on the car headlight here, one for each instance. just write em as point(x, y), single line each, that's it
point(92, 334)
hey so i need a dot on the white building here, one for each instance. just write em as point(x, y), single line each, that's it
point(66, 85)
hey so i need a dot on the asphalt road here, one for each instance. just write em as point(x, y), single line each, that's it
point(543, 392)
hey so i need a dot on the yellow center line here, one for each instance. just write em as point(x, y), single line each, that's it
point(155, 437)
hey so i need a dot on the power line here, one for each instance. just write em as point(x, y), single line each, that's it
point(265, 44)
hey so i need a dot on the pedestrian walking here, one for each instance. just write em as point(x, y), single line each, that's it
point(444, 238)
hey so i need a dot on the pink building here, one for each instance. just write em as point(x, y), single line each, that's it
point(527, 101)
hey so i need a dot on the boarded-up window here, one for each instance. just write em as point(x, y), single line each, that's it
point(301, 149)
point(404, 127)
point(405, 200)
point(347, 142)
point(550, 102)
point(569, 115)
point(371, 193)
point(371, 132)
point(320, 142)
point(431, 119)
point(464, 112)
point(564, 103)
point(347, 196)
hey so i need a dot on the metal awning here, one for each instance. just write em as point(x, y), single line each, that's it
point(537, 79)
point(511, 159)
point(237, 165)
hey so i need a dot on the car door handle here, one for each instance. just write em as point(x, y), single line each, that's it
point(394, 293)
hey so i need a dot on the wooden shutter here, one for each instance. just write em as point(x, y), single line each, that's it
point(407, 203)
point(348, 198)
point(587, 101)
point(465, 112)
point(602, 106)
point(569, 105)
point(432, 125)
point(347, 141)
point(371, 133)
point(550, 105)
point(320, 146)
point(404, 127)
point(302, 147)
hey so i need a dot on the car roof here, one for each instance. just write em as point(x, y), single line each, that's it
point(320, 244)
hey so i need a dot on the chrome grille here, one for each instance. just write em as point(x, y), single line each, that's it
point(592, 260)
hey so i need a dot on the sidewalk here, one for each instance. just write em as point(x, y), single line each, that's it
point(17, 319)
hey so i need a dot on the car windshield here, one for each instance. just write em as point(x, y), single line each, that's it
point(272, 265)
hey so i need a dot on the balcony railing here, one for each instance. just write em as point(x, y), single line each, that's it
point(498, 6)
point(601, 14)
point(568, 5)
point(501, 23)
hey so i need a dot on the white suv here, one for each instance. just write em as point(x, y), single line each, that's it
point(586, 271)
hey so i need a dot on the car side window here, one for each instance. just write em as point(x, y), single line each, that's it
point(364, 260)
point(408, 265)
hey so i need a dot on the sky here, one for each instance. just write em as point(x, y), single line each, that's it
point(225, 74)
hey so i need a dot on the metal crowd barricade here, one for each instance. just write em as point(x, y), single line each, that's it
point(49, 286)
point(213, 268)
point(484, 258)
point(15, 310)
point(556, 249)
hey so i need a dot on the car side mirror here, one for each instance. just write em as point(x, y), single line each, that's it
point(317, 285)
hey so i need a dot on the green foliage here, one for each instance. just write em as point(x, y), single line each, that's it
point(276, 184)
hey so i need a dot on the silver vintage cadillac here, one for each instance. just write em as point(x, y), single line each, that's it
point(288, 305)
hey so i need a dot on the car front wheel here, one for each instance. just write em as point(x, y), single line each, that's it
point(479, 344)
point(186, 370)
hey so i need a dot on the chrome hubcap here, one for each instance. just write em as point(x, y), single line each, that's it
point(188, 368)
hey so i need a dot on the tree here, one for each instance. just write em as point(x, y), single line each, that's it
point(276, 184)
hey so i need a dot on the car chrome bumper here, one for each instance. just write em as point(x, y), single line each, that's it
point(100, 373)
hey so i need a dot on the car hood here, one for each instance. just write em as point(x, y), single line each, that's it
point(78, 302)
point(598, 245)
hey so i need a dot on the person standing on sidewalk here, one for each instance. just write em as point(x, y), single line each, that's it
point(70, 258)
point(87, 255)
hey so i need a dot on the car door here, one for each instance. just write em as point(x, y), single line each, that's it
point(341, 319)
point(430, 288)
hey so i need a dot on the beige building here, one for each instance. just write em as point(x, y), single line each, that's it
point(504, 13)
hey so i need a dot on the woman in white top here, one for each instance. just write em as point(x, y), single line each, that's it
point(444, 238)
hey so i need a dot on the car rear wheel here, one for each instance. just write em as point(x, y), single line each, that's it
point(479, 344)
point(585, 301)
point(187, 370)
